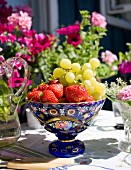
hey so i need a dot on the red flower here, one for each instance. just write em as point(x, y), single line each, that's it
point(125, 67)
point(3, 38)
point(74, 39)
point(69, 30)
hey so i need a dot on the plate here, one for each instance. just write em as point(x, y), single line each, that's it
point(80, 167)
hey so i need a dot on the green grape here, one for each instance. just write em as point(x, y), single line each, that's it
point(97, 96)
point(58, 72)
point(75, 67)
point(93, 81)
point(86, 66)
point(100, 88)
point(87, 74)
point(70, 77)
point(91, 90)
point(65, 63)
point(88, 86)
point(87, 83)
point(95, 62)
point(78, 77)
point(63, 81)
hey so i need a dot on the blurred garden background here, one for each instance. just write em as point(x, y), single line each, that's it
point(49, 15)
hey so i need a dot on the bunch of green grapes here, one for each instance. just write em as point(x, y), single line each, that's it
point(73, 73)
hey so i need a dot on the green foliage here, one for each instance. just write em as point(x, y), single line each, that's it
point(113, 89)
point(126, 55)
point(89, 48)
point(6, 99)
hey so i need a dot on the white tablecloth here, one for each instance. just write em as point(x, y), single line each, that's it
point(101, 142)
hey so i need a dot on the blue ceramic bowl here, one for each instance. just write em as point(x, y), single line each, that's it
point(66, 120)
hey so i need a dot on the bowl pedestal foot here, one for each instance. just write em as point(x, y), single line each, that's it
point(66, 149)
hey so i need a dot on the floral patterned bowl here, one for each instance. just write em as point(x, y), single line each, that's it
point(66, 120)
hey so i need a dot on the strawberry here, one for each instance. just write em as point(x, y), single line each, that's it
point(90, 98)
point(76, 93)
point(55, 81)
point(49, 96)
point(43, 86)
point(57, 89)
point(35, 89)
point(35, 95)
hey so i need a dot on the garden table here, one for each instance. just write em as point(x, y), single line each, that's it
point(101, 143)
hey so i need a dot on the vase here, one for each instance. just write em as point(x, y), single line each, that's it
point(125, 110)
point(10, 129)
point(117, 115)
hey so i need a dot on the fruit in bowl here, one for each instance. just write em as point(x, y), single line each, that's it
point(68, 104)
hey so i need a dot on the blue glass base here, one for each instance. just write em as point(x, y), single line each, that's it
point(66, 149)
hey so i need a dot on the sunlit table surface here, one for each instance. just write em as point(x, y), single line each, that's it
point(101, 142)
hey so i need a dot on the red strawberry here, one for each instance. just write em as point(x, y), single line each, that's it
point(35, 89)
point(49, 96)
point(57, 89)
point(90, 98)
point(55, 81)
point(76, 93)
point(35, 95)
point(43, 86)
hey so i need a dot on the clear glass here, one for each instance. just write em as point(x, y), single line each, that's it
point(10, 129)
point(117, 115)
point(125, 144)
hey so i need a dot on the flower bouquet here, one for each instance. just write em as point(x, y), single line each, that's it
point(121, 93)
point(125, 64)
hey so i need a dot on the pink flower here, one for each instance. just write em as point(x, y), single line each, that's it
point(125, 93)
point(17, 82)
point(40, 37)
point(1, 49)
point(21, 19)
point(74, 39)
point(15, 73)
point(69, 30)
point(73, 34)
point(27, 58)
point(115, 68)
point(98, 20)
point(29, 33)
point(125, 67)
point(3, 38)
point(11, 38)
point(25, 21)
point(38, 43)
point(3, 28)
point(14, 19)
point(10, 28)
point(108, 57)
point(17, 65)
point(1, 58)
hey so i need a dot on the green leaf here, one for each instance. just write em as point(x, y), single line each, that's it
point(4, 89)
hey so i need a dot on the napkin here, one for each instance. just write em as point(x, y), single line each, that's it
point(18, 151)
point(17, 156)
